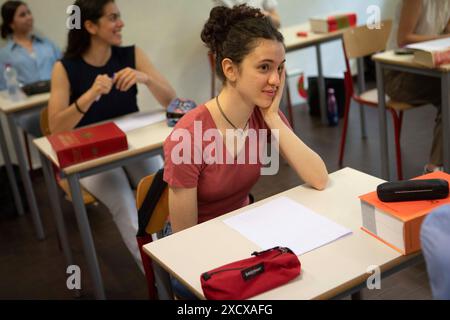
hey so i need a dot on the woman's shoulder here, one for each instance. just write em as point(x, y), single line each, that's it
point(126, 55)
point(124, 50)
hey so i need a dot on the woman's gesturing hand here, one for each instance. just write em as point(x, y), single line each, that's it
point(128, 77)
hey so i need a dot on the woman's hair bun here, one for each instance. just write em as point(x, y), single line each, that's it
point(220, 21)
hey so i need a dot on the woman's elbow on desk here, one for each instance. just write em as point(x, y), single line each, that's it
point(320, 183)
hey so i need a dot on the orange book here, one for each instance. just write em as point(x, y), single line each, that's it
point(397, 224)
point(88, 143)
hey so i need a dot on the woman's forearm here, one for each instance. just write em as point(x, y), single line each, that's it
point(68, 118)
point(162, 91)
point(308, 165)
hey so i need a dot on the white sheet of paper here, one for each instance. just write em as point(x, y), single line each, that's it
point(140, 119)
point(284, 222)
point(431, 45)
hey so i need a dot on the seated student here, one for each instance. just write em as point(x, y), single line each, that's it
point(210, 181)
point(31, 55)
point(267, 7)
point(435, 239)
point(95, 81)
point(416, 21)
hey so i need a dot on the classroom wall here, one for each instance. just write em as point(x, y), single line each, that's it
point(169, 32)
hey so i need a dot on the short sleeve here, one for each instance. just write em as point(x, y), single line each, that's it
point(182, 159)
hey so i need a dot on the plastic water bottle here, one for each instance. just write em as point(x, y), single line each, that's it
point(11, 82)
point(333, 117)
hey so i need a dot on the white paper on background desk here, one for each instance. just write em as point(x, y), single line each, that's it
point(284, 222)
point(140, 119)
point(431, 45)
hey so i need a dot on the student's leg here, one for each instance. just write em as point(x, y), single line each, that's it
point(419, 90)
point(412, 88)
point(31, 123)
point(138, 170)
point(112, 188)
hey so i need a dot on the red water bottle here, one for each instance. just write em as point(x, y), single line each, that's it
point(333, 117)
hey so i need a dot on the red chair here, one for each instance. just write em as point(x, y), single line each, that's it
point(360, 42)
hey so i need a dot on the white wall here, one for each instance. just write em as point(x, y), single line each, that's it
point(169, 31)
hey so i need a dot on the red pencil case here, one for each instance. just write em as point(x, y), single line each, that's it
point(246, 278)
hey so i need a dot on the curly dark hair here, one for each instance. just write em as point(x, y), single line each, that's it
point(233, 33)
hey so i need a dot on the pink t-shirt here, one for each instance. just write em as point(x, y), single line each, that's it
point(223, 183)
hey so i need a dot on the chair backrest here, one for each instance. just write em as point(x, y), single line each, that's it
point(161, 211)
point(158, 281)
point(45, 127)
point(362, 41)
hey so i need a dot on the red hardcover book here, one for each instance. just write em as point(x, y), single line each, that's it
point(88, 143)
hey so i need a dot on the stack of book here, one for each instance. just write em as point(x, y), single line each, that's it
point(397, 224)
point(431, 53)
point(332, 22)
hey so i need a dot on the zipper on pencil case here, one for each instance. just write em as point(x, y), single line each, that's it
point(207, 275)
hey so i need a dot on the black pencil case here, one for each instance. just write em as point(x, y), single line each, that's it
point(413, 190)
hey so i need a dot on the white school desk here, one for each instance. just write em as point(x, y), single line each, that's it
point(334, 270)
point(294, 42)
point(13, 112)
point(390, 61)
point(143, 143)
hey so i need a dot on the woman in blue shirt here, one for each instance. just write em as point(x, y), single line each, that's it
point(31, 55)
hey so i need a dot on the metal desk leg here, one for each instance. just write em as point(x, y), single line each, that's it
point(56, 208)
point(445, 105)
point(384, 152)
point(10, 172)
point(361, 89)
point(321, 86)
point(25, 177)
point(86, 236)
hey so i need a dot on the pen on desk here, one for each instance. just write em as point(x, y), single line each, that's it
point(302, 34)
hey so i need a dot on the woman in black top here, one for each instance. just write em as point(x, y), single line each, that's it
point(96, 81)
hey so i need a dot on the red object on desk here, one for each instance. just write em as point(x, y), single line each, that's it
point(302, 34)
point(88, 143)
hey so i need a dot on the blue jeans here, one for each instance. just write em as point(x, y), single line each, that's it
point(178, 288)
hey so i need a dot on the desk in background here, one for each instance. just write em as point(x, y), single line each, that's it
point(390, 61)
point(332, 271)
point(13, 112)
point(143, 143)
point(294, 42)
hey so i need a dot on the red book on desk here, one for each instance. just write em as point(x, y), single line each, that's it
point(88, 143)
point(332, 22)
